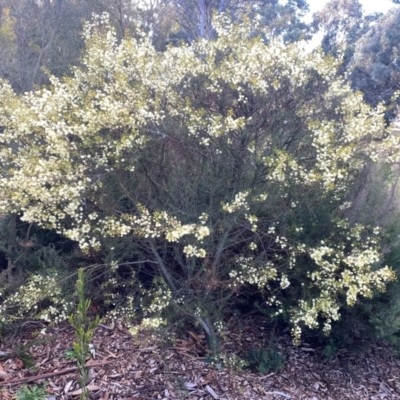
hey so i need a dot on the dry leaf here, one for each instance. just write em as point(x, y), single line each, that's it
point(110, 353)
point(91, 388)
point(189, 385)
point(286, 396)
point(18, 363)
point(135, 398)
point(3, 375)
point(211, 391)
point(68, 386)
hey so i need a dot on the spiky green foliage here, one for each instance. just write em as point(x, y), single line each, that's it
point(264, 360)
point(35, 392)
point(84, 331)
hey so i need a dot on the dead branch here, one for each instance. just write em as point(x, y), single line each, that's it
point(51, 374)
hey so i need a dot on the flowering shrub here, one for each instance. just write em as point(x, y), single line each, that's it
point(36, 283)
point(206, 156)
point(25, 300)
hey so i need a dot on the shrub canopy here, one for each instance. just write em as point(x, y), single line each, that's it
point(227, 165)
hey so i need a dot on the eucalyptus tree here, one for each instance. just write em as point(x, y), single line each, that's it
point(375, 66)
point(341, 22)
point(195, 16)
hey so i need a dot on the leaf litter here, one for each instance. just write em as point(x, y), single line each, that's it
point(168, 367)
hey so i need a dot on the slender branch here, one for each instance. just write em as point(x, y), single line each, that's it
point(220, 249)
point(138, 262)
point(167, 276)
point(28, 232)
point(43, 51)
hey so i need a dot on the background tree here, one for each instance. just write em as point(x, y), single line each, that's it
point(375, 65)
point(341, 22)
point(283, 19)
point(45, 37)
point(195, 16)
point(41, 37)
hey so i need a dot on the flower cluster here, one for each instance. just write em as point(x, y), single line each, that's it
point(239, 202)
point(27, 300)
point(249, 272)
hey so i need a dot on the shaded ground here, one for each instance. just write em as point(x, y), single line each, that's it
point(173, 367)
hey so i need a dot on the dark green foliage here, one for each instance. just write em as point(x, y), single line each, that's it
point(21, 351)
point(329, 352)
point(353, 333)
point(264, 360)
point(26, 251)
point(32, 393)
point(385, 309)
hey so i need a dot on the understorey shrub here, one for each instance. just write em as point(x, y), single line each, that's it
point(374, 198)
point(36, 283)
point(264, 360)
point(223, 167)
point(35, 392)
point(384, 311)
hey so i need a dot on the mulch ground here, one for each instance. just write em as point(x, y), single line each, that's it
point(171, 366)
